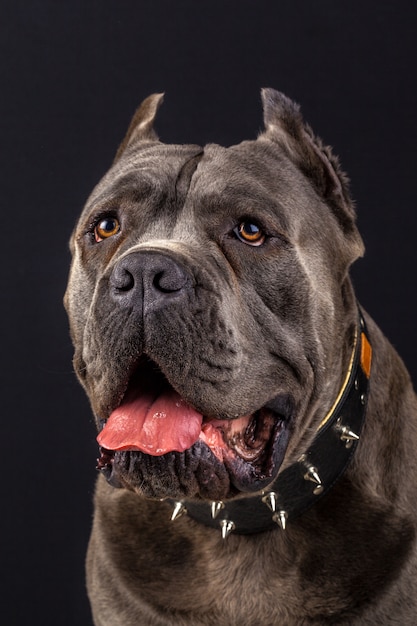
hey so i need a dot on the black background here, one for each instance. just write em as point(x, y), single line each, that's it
point(71, 75)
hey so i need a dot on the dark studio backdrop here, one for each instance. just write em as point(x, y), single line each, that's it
point(72, 74)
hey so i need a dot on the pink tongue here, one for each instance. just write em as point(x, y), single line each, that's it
point(151, 423)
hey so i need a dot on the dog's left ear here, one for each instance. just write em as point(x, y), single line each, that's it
point(141, 126)
point(285, 126)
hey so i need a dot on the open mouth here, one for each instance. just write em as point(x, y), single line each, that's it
point(154, 420)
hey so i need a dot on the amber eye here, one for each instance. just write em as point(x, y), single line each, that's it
point(250, 233)
point(106, 227)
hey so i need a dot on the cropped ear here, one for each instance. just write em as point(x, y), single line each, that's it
point(285, 126)
point(141, 126)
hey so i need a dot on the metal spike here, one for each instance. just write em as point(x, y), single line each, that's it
point(346, 435)
point(216, 507)
point(179, 510)
point(313, 476)
point(280, 518)
point(271, 501)
point(227, 527)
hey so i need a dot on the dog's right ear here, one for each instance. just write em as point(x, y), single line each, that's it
point(141, 126)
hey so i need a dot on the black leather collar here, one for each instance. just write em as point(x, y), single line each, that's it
point(307, 480)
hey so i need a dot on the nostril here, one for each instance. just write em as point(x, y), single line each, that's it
point(158, 283)
point(123, 280)
point(144, 280)
point(170, 280)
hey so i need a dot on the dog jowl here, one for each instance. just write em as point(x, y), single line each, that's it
point(234, 378)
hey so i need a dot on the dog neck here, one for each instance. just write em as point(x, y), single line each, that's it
point(310, 478)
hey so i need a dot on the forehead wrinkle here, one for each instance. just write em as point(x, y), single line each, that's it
point(183, 187)
point(145, 166)
point(185, 176)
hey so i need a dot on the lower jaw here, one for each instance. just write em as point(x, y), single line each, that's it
point(196, 473)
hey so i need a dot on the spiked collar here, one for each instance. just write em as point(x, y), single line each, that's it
point(307, 480)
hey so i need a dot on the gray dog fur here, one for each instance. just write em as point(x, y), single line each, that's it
point(250, 323)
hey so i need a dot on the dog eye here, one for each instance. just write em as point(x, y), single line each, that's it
point(105, 228)
point(250, 233)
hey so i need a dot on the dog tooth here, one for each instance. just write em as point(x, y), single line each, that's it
point(105, 461)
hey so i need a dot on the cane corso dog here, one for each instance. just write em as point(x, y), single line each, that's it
point(257, 432)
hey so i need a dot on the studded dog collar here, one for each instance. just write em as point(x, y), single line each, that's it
point(301, 484)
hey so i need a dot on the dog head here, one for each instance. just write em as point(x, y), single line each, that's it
point(210, 306)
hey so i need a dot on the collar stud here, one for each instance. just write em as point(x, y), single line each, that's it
point(280, 518)
point(311, 474)
point(216, 507)
point(271, 501)
point(227, 526)
point(346, 435)
point(178, 511)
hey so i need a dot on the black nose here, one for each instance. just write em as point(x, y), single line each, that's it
point(148, 280)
